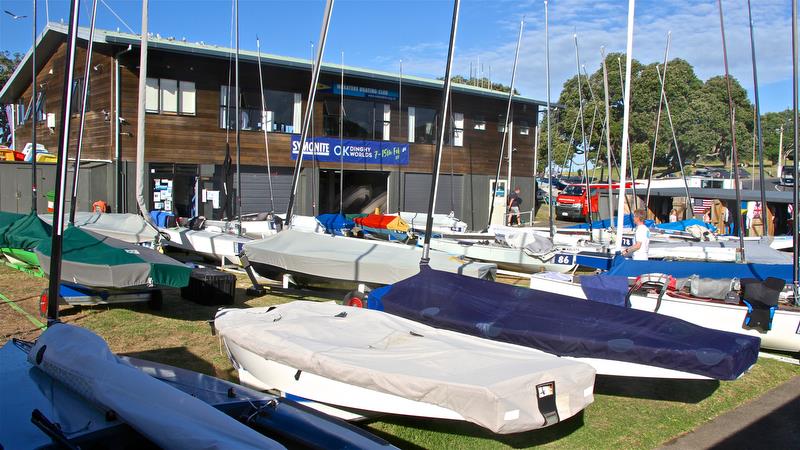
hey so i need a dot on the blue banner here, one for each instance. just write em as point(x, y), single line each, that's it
point(351, 90)
point(328, 149)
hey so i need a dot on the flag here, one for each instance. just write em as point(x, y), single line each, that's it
point(701, 205)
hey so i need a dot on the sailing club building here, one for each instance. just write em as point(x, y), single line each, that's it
point(386, 151)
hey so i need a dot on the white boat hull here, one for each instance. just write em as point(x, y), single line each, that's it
point(783, 336)
point(506, 258)
point(211, 244)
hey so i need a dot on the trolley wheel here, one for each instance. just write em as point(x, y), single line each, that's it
point(355, 298)
point(156, 301)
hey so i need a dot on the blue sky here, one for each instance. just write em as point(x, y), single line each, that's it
point(377, 34)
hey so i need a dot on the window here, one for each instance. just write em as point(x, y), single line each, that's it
point(361, 118)
point(458, 129)
point(281, 115)
point(479, 123)
point(163, 95)
point(77, 97)
point(169, 95)
point(501, 123)
point(151, 103)
point(421, 125)
point(387, 121)
point(524, 128)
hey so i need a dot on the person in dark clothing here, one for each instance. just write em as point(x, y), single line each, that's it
point(514, 201)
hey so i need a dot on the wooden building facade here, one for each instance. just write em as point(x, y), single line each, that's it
point(387, 119)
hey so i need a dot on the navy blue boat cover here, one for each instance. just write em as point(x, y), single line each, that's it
point(336, 224)
point(622, 266)
point(605, 288)
point(565, 326)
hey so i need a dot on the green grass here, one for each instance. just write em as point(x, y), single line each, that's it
point(626, 413)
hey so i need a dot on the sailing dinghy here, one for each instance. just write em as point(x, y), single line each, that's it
point(352, 358)
point(219, 246)
point(125, 227)
point(615, 340)
point(344, 263)
point(70, 381)
point(713, 304)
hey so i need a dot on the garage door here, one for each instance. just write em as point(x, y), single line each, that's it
point(417, 191)
point(255, 189)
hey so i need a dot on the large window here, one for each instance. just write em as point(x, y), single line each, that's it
point(281, 114)
point(362, 119)
point(23, 114)
point(164, 95)
point(77, 96)
point(421, 125)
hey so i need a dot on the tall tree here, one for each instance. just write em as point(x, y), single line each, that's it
point(8, 63)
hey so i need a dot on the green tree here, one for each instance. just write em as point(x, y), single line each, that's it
point(771, 124)
point(483, 82)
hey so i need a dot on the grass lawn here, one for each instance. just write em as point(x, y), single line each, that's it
point(627, 412)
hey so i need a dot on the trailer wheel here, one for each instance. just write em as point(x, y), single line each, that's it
point(355, 299)
point(156, 301)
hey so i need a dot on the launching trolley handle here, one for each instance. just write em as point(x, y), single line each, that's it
point(659, 279)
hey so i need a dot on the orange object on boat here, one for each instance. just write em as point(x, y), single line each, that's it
point(394, 223)
point(7, 154)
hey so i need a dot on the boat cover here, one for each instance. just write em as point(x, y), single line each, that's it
point(378, 221)
point(682, 225)
point(605, 288)
point(418, 221)
point(353, 259)
point(489, 383)
point(754, 251)
point(27, 232)
point(337, 224)
point(167, 416)
point(96, 261)
point(125, 227)
point(213, 243)
point(6, 220)
point(606, 223)
point(706, 269)
point(565, 326)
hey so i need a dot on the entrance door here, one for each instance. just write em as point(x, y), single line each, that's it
point(499, 200)
point(364, 191)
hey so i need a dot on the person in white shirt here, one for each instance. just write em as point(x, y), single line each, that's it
point(641, 244)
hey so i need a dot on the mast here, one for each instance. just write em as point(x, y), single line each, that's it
point(264, 124)
point(675, 142)
point(795, 192)
point(508, 117)
point(35, 115)
point(437, 159)
point(583, 140)
point(341, 139)
point(140, 118)
point(739, 221)
point(61, 169)
point(238, 131)
point(625, 122)
point(549, 140)
point(630, 158)
point(608, 136)
point(312, 91)
point(658, 121)
point(84, 101)
point(761, 179)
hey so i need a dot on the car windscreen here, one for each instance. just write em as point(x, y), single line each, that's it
point(573, 190)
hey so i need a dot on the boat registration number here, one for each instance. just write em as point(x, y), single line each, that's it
point(627, 241)
point(564, 214)
point(564, 259)
point(239, 247)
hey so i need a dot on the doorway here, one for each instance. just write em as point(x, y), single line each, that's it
point(363, 191)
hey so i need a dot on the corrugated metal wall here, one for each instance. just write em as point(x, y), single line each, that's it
point(417, 190)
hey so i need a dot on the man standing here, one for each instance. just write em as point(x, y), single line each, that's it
point(641, 244)
point(514, 200)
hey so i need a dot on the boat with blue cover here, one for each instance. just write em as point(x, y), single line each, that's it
point(616, 340)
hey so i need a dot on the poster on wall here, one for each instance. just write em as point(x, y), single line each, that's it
point(162, 194)
point(327, 149)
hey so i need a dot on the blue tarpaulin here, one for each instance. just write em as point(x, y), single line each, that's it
point(336, 224)
point(565, 326)
point(605, 288)
point(681, 225)
point(606, 223)
point(681, 269)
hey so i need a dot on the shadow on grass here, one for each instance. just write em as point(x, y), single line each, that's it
point(463, 428)
point(778, 429)
point(681, 391)
point(175, 356)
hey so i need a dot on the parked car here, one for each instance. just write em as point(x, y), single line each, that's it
point(787, 176)
point(572, 202)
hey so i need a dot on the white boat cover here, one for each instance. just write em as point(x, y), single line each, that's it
point(359, 260)
point(130, 228)
point(441, 222)
point(489, 383)
point(167, 416)
point(756, 252)
point(206, 242)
